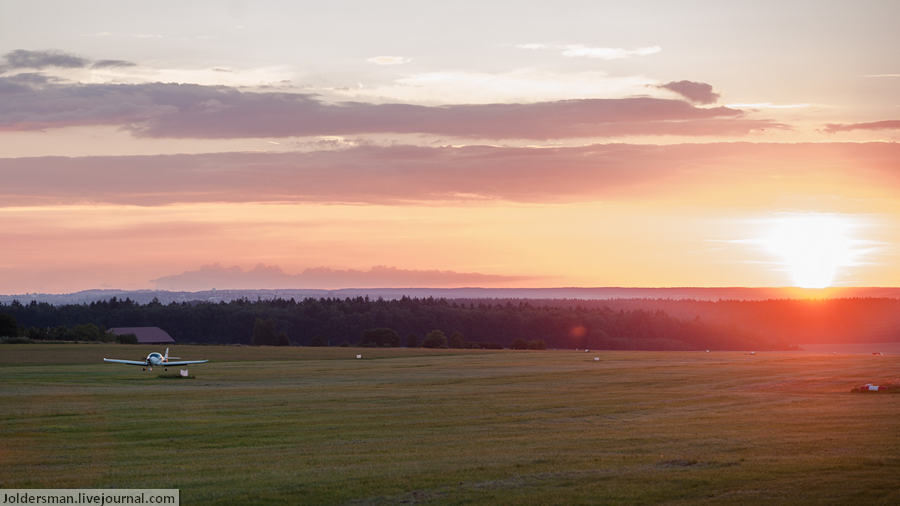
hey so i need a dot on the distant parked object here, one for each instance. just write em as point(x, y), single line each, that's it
point(145, 335)
point(892, 388)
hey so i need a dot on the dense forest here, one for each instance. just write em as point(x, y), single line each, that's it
point(797, 321)
point(401, 322)
point(660, 324)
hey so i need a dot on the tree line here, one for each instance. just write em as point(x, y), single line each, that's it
point(799, 321)
point(401, 322)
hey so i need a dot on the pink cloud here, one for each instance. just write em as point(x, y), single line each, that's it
point(217, 276)
point(698, 93)
point(399, 174)
point(194, 111)
point(875, 125)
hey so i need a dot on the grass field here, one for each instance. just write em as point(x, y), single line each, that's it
point(315, 425)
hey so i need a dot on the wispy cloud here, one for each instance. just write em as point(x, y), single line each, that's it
point(768, 105)
point(518, 85)
point(584, 51)
point(103, 64)
point(874, 125)
point(532, 46)
point(388, 60)
point(217, 276)
point(43, 59)
point(606, 53)
point(23, 58)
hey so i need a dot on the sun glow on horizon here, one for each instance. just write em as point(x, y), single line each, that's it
point(813, 248)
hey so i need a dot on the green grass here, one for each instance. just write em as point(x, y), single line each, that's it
point(316, 425)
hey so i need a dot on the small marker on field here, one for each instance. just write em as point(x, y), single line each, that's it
point(358, 356)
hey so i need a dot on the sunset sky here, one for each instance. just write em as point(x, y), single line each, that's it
point(358, 144)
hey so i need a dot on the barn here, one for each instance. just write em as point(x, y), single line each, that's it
point(145, 335)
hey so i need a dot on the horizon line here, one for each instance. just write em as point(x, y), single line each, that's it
point(460, 288)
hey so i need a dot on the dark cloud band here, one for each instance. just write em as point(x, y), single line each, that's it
point(409, 174)
point(217, 112)
point(25, 59)
point(874, 125)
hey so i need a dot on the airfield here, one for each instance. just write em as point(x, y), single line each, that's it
point(318, 425)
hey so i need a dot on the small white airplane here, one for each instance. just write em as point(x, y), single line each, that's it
point(155, 359)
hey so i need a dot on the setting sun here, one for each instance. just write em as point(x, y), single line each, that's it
point(812, 248)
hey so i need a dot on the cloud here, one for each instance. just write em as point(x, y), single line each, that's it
point(193, 111)
point(532, 46)
point(10, 86)
point(606, 53)
point(874, 125)
point(583, 51)
point(30, 78)
point(23, 58)
point(519, 85)
point(103, 64)
point(22, 82)
point(388, 60)
point(219, 277)
point(39, 60)
point(698, 93)
point(768, 105)
point(410, 174)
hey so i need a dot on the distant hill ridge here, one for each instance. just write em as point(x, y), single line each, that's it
point(587, 293)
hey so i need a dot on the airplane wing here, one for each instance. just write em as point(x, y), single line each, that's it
point(130, 362)
point(184, 362)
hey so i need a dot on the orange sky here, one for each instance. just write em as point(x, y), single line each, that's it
point(655, 154)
